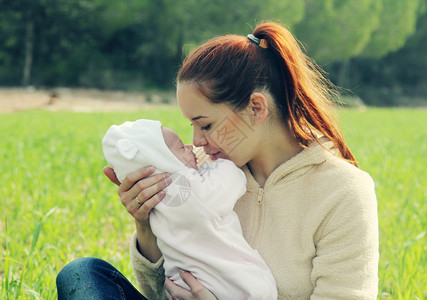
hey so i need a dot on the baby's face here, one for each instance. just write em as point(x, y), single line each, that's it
point(183, 152)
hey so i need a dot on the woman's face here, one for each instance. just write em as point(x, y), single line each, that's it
point(221, 131)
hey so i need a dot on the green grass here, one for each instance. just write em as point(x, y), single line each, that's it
point(391, 144)
point(57, 205)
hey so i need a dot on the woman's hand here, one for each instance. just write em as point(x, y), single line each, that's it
point(198, 290)
point(140, 194)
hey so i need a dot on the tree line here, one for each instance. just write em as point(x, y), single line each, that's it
point(365, 45)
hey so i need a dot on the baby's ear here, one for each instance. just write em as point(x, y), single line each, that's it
point(126, 149)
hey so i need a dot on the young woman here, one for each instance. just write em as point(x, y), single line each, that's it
point(308, 210)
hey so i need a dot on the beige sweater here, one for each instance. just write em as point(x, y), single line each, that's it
point(315, 224)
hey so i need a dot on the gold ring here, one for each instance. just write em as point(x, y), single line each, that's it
point(137, 200)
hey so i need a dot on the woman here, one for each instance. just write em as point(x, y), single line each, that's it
point(308, 210)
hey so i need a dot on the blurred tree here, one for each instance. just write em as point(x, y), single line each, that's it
point(287, 12)
point(337, 32)
point(397, 75)
point(45, 38)
point(138, 43)
point(410, 62)
point(337, 29)
point(397, 23)
point(29, 17)
point(155, 33)
point(67, 36)
point(11, 43)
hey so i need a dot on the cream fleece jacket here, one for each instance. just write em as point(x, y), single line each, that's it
point(314, 223)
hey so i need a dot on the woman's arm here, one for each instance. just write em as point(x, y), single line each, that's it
point(147, 242)
point(149, 192)
point(145, 255)
point(346, 261)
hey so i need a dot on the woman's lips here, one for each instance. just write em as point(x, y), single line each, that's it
point(214, 156)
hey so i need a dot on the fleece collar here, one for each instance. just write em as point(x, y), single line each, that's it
point(315, 154)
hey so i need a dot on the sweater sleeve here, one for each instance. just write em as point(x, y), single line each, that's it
point(150, 276)
point(346, 261)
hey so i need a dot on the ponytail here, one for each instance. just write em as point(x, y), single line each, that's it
point(230, 68)
point(308, 105)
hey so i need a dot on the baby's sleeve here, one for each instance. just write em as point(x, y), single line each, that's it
point(220, 186)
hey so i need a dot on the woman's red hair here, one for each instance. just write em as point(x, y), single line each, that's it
point(230, 68)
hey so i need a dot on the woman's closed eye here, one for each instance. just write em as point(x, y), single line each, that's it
point(207, 127)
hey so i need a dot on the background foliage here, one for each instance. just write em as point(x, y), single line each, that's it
point(367, 46)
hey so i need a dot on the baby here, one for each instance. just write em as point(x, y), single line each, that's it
point(195, 225)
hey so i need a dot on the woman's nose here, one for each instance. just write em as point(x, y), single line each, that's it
point(199, 138)
point(189, 147)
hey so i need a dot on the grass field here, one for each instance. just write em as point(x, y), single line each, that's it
point(56, 205)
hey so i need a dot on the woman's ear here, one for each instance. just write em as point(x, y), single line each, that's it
point(258, 107)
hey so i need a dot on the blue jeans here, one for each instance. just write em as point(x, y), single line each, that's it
point(93, 278)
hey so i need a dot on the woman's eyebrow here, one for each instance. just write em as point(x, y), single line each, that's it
point(199, 117)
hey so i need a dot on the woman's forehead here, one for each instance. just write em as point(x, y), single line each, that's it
point(195, 106)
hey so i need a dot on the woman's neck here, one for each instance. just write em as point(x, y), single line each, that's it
point(277, 147)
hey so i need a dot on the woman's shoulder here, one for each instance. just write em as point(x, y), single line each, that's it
point(323, 168)
point(345, 173)
point(341, 184)
point(342, 196)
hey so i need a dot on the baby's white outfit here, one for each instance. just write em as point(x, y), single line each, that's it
point(195, 225)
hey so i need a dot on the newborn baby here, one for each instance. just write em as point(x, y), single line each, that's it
point(195, 225)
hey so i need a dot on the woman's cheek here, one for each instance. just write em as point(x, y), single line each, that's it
point(227, 136)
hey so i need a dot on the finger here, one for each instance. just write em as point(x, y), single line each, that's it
point(175, 291)
point(147, 188)
point(133, 207)
point(141, 211)
point(135, 176)
point(190, 280)
point(109, 172)
point(198, 290)
point(139, 190)
point(169, 285)
point(144, 210)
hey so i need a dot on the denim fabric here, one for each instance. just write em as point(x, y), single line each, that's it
point(93, 278)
